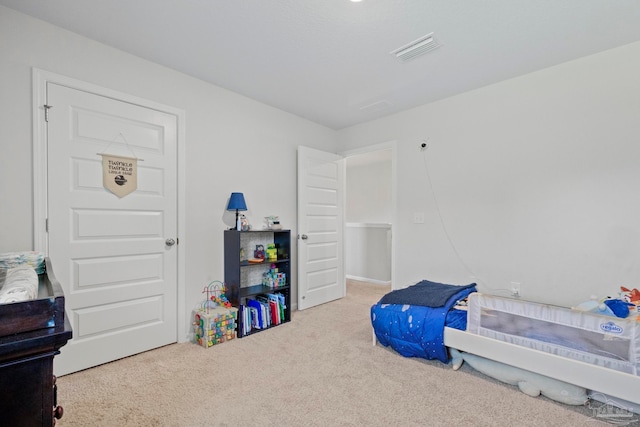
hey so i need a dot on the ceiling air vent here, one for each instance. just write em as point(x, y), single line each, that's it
point(416, 48)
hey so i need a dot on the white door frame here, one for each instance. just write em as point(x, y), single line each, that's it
point(40, 78)
point(393, 146)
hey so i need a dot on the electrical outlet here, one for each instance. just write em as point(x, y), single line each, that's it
point(515, 289)
point(418, 218)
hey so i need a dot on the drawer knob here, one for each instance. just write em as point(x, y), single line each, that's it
point(58, 412)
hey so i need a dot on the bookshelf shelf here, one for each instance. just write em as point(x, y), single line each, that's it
point(244, 280)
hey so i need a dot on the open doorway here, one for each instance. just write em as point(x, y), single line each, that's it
point(368, 241)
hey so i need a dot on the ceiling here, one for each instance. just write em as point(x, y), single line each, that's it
point(329, 60)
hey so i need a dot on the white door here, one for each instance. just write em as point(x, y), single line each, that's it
point(111, 255)
point(320, 227)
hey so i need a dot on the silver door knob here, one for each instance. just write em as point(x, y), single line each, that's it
point(304, 237)
point(169, 242)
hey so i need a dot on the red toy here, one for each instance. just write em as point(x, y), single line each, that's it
point(632, 296)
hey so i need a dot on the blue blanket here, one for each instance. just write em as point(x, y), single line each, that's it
point(426, 293)
point(405, 321)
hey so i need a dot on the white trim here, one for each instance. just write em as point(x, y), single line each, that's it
point(393, 146)
point(40, 78)
point(39, 144)
point(368, 280)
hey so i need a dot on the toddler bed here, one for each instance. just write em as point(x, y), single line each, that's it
point(600, 353)
point(596, 352)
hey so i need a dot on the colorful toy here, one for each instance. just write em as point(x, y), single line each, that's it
point(244, 223)
point(272, 252)
point(215, 320)
point(214, 325)
point(215, 292)
point(607, 306)
point(273, 278)
point(259, 252)
point(632, 296)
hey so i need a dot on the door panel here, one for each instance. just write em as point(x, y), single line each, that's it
point(121, 315)
point(109, 253)
point(320, 221)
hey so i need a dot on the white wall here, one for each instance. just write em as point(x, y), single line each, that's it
point(537, 179)
point(368, 178)
point(232, 142)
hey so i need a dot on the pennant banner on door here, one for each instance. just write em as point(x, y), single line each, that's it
point(119, 174)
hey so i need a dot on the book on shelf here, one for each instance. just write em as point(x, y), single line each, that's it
point(262, 312)
point(258, 312)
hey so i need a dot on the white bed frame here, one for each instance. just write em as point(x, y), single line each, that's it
point(592, 377)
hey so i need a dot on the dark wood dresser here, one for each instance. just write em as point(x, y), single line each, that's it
point(31, 334)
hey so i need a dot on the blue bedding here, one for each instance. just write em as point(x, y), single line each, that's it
point(412, 320)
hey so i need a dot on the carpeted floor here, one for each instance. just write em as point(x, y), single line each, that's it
point(320, 369)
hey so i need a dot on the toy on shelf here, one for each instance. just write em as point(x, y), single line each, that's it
point(272, 252)
point(273, 222)
point(215, 319)
point(259, 252)
point(244, 223)
point(273, 278)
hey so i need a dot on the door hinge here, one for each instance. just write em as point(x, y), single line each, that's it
point(46, 112)
point(46, 225)
point(177, 241)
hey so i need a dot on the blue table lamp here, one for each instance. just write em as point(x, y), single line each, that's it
point(236, 202)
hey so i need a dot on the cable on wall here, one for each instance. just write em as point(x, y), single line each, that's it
point(424, 146)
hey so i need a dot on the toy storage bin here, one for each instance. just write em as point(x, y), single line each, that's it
point(214, 325)
point(606, 341)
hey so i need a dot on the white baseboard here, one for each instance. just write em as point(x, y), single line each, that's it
point(366, 279)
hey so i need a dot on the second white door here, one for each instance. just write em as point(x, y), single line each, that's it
point(115, 258)
point(320, 226)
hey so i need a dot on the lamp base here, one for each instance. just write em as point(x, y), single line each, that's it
point(238, 222)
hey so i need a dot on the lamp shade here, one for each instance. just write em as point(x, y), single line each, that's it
point(236, 202)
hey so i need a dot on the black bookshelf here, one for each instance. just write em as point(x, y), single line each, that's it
point(243, 279)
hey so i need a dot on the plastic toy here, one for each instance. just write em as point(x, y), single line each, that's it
point(608, 306)
point(259, 252)
point(244, 223)
point(273, 222)
point(221, 300)
point(273, 278)
point(215, 292)
point(215, 320)
point(630, 295)
point(272, 252)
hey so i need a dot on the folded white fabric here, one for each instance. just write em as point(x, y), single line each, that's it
point(20, 284)
point(14, 259)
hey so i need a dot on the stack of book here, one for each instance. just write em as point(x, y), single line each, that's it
point(264, 311)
